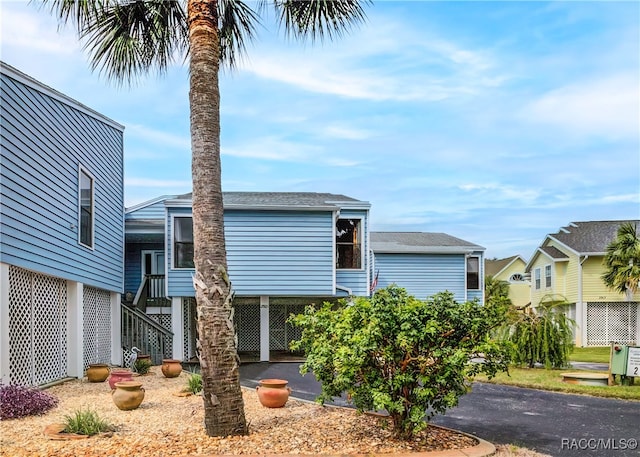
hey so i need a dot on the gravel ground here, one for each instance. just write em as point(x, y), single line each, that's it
point(167, 424)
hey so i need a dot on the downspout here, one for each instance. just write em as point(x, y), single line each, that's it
point(346, 289)
point(372, 263)
point(580, 311)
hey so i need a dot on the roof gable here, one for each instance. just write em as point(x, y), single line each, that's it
point(493, 267)
point(591, 237)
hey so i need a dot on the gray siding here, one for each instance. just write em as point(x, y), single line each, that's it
point(423, 275)
point(44, 141)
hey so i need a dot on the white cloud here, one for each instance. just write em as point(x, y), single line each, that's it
point(274, 148)
point(346, 133)
point(32, 32)
point(156, 183)
point(159, 137)
point(607, 107)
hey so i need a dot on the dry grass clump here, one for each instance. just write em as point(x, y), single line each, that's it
point(167, 424)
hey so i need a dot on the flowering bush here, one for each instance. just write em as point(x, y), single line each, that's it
point(20, 401)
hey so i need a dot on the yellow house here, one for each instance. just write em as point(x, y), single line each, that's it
point(511, 270)
point(568, 265)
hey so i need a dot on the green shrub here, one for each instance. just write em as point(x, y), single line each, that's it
point(394, 352)
point(194, 383)
point(541, 336)
point(86, 422)
point(142, 366)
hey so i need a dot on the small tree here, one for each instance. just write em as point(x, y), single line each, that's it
point(542, 335)
point(495, 288)
point(393, 352)
point(622, 261)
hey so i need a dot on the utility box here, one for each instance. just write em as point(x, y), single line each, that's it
point(619, 359)
point(633, 361)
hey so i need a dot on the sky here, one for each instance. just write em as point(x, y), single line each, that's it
point(495, 122)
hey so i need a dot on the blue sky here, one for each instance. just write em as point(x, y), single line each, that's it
point(496, 122)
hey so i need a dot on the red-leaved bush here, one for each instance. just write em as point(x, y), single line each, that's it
point(20, 401)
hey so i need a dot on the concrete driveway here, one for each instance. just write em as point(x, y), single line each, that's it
point(553, 423)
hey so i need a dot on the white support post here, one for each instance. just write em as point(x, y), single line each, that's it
point(116, 329)
point(75, 332)
point(579, 333)
point(5, 373)
point(177, 327)
point(264, 328)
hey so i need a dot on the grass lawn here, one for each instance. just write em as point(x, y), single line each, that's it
point(539, 378)
point(590, 354)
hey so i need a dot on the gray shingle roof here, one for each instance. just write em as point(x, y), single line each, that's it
point(285, 199)
point(590, 237)
point(554, 252)
point(419, 242)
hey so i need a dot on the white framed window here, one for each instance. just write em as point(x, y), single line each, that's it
point(183, 242)
point(536, 275)
point(86, 208)
point(473, 273)
point(547, 276)
point(348, 244)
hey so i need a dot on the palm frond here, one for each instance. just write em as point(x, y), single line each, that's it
point(237, 25)
point(317, 19)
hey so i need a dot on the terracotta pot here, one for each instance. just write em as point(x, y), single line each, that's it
point(119, 374)
point(171, 368)
point(97, 372)
point(273, 393)
point(128, 395)
point(144, 357)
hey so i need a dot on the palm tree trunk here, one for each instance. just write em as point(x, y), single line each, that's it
point(223, 405)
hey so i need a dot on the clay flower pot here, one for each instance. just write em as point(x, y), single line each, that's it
point(119, 374)
point(171, 368)
point(273, 393)
point(97, 372)
point(128, 395)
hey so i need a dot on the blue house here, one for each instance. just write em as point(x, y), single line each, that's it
point(61, 233)
point(284, 251)
point(428, 263)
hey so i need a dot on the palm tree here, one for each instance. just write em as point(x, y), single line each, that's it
point(128, 38)
point(622, 261)
point(495, 289)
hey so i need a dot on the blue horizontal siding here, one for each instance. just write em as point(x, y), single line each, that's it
point(153, 211)
point(423, 275)
point(270, 253)
point(133, 263)
point(44, 141)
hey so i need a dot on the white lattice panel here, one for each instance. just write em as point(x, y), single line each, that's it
point(246, 320)
point(189, 327)
point(96, 310)
point(616, 321)
point(281, 333)
point(165, 321)
point(37, 327)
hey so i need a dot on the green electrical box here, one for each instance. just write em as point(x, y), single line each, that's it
point(619, 358)
point(633, 361)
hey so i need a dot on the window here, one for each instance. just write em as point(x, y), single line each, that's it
point(183, 242)
point(547, 276)
point(473, 273)
point(516, 277)
point(348, 244)
point(537, 278)
point(85, 205)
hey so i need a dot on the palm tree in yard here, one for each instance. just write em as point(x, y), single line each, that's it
point(127, 38)
point(622, 260)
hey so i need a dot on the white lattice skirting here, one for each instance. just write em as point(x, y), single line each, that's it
point(614, 321)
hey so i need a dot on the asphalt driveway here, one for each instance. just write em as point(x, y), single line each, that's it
point(553, 423)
